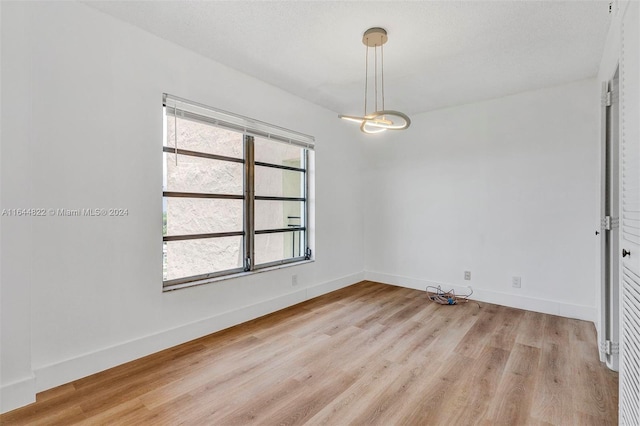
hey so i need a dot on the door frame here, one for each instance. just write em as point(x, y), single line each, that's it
point(609, 225)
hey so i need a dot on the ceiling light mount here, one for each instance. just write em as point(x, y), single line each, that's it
point(381, 119)
point(375, 37)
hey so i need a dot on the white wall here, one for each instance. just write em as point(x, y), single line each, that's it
point(501, 188)
point(81, 294)
point(15, 236)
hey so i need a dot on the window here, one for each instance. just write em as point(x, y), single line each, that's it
point(235, 194)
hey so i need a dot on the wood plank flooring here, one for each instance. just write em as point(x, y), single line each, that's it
point(369, 354)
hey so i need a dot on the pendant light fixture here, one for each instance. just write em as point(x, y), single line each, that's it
point(379, 120)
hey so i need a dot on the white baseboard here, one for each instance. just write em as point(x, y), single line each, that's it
point(545, 306)
point(84, 365)
point(17, 394)
point(333, 285)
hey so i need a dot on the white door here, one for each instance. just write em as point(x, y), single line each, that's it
point(630, 217)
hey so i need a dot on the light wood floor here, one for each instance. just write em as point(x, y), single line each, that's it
point(366, 354)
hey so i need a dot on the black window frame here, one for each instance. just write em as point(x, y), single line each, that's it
point(248, 197)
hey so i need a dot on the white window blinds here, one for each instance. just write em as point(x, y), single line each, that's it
point(216, 117)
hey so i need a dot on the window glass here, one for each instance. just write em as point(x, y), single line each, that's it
point(278, 182)
point(278, 214)
point(203, 175)
point(202, 137)
point(189, 258)
point(188, 216)
point(278, 247)
point(282, 154)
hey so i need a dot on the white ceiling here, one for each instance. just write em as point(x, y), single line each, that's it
point(439, 53)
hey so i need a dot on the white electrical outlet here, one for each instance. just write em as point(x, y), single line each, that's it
point(467, 275)
point(294, 280)
point(516, 282)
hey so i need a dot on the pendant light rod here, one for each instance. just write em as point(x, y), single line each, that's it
point(366, 78)
point(382, 67)
point(375, 75)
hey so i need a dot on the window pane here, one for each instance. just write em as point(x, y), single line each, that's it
point(282, 154)
point(280, 246)
point(201, 137)
point(278, 182)
point(278, 214)
point(195, 257)
point(197, 174)
point(186, 216)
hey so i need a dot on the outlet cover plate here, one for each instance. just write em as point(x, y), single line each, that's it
point(516, 282)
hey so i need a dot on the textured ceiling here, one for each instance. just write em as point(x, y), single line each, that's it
point(439, 53)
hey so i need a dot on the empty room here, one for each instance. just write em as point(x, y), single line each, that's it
point(320, 212)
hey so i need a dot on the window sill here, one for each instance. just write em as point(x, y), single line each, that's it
point(232, 276)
